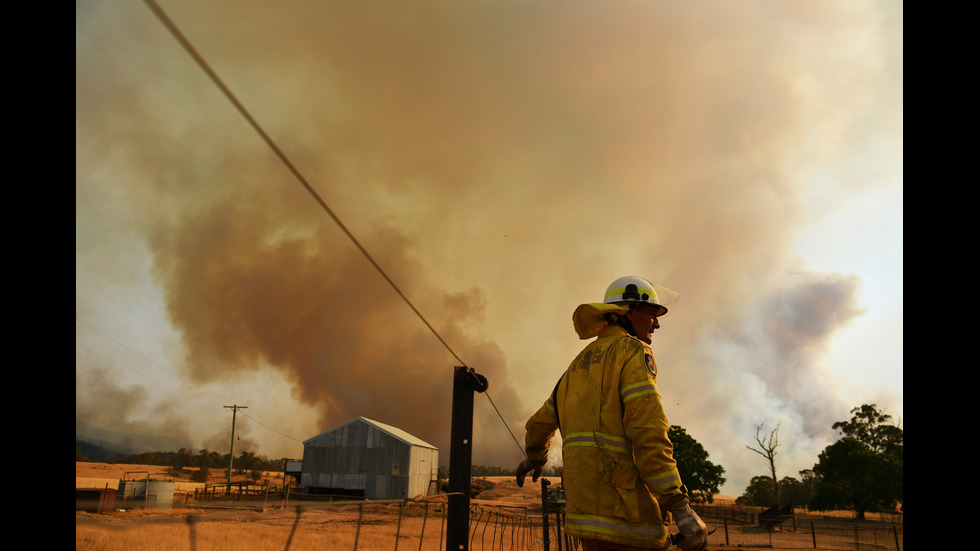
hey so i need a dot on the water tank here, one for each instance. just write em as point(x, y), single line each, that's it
point(149, 494)
point(160, 493)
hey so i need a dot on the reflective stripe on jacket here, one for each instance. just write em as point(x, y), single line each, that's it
point(618, 461)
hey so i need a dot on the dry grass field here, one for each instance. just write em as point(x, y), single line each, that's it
point(97, 475)
point(308, 526)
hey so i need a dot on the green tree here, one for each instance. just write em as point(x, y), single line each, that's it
point(247, 463)
point(809, 479)
point(872, 427)
point(851, 475)
point(204, 461)
point(702, 478)
point(759, 492)
point(183, 458)
point(794, 492)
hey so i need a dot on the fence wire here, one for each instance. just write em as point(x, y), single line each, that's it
point(356, 525)
point(367, 525)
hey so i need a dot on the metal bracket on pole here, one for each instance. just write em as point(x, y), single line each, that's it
point(465, 383)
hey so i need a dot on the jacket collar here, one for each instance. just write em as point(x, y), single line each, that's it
point(589, 319)
point(614, 331)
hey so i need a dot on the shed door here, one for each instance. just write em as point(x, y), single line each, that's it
point(399, 487)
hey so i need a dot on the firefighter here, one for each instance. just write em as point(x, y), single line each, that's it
point(621, 482)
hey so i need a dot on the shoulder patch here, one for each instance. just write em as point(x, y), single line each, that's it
point(651, 365)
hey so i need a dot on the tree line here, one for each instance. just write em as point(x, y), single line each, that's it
point(201, 463)
point(862, 471)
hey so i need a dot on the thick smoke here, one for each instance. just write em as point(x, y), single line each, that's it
point(100, 401)
point(314, 307)
point(503, 163)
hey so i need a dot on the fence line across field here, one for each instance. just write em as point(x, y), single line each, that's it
point(491, 527)
point(741, 526)
point(503, 526)
point(462, 520)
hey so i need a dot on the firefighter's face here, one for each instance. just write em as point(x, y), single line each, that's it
point(644, 320)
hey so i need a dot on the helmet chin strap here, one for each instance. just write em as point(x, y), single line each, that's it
point(614, 319)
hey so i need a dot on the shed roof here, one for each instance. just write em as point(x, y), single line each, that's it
point(394, 432)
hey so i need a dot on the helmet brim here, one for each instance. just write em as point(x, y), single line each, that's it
point(661, 309)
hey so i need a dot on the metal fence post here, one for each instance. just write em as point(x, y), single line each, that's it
point(465, 383)
point(558, 523)
point(425, 518)
point(544, 514)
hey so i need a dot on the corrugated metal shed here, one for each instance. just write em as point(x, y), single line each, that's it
point(365, 458)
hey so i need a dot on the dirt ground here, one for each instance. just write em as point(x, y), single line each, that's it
point(499, 493)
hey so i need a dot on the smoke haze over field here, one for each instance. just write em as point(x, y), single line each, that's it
point(502, 162)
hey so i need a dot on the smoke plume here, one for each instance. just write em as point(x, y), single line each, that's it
point(502, 163)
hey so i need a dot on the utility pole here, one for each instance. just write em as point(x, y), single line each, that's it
point(231, 456)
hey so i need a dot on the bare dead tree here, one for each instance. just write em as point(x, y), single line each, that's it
point(767, 448)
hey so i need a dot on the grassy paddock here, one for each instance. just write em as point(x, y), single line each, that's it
point(323, 525)
point(315, 529)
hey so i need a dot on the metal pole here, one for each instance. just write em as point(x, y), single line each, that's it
point(558, 523)
point(424, 518)
point(465, 383)
point(544, 514)
point(442, 529)
point(360, 517)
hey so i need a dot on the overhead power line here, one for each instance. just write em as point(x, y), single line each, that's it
point(157, 364)
point(265, 137)
point(299, 176)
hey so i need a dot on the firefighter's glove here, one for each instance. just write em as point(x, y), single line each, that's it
point(527, 466)
point(694, 534)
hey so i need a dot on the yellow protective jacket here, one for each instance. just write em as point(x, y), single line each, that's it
point(619, 468)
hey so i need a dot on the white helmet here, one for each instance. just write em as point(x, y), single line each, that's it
point(636, 289)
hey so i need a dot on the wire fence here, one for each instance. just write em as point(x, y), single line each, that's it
point(741, 527)
point(809, 536)
point(361, 525)
point(356, 525)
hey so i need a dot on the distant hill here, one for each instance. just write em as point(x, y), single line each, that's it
point(104, 445)
point(88, 451)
